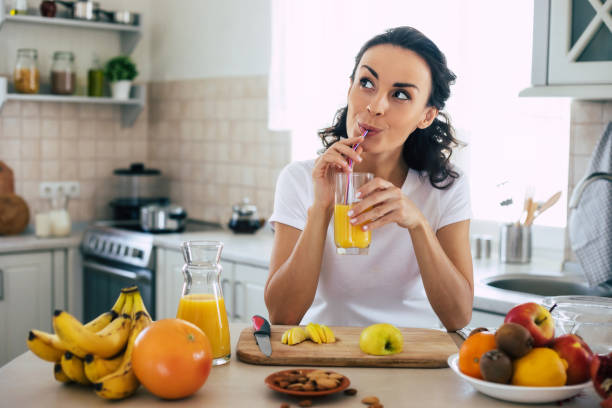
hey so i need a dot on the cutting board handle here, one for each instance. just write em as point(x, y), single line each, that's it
point(7, 179)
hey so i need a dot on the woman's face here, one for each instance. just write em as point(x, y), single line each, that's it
point(388, 97)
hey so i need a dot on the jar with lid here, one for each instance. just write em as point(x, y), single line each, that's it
point(26, 75)
point(63, 75)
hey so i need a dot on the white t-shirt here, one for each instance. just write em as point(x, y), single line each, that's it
point(385, 285)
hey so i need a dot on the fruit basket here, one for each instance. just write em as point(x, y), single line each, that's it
point(516, 393)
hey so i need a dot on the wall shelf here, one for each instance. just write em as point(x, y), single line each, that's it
point(130, 108)
point(584, 92)
point(129, 34)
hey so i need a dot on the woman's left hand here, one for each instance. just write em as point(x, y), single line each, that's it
point(384, 203)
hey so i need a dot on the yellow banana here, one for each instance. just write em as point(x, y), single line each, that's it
point(313, 334)
point(106, 343)
point(105, 318)
point(97, 367)
point(329, 334)
point(59, 374)
point(72, 366)
point(47, 346)
point(123, 382)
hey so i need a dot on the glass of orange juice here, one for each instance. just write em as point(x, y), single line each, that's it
point(202, 300)
point(350, 239)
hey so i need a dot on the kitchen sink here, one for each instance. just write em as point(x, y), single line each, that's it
point(544, 285)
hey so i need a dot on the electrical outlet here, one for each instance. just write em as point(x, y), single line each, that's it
point(51, 189)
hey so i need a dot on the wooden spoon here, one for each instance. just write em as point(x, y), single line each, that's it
point(546, 205)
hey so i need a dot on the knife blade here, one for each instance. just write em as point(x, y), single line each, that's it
point(261, 329)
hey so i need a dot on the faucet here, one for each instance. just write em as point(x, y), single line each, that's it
point(583, 184)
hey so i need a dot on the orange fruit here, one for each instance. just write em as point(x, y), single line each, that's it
point(541, 367)
point(172, 358)
point(472, 350)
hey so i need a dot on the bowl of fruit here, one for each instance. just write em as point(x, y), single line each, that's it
point(523, 361)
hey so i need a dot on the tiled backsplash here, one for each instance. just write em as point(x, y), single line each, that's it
point(588, 121)
point(208, 136)
point(45, 141)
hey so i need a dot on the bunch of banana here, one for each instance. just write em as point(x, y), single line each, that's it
point(318, 333)
point(97, 353)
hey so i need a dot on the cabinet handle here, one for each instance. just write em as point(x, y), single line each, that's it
point(1, 284)
point(234, 301)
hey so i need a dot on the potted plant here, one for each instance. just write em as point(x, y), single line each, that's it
point(120, 71)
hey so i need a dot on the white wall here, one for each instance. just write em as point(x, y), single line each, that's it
point(48, 39)
point(209, 38)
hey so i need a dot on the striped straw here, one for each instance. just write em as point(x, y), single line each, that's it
point(348, 176)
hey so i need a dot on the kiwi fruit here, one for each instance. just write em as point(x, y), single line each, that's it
point(514, 340)
point(496, 366)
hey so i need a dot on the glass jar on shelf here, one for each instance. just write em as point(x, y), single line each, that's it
point(202, 300)
point(26, 76)
point(63, 75)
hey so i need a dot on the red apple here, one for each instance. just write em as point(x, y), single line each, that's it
point(534, 318)
point(601, 374)
point(578, 356)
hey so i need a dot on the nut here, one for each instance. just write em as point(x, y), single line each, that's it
point(284, 405)
point(326, 383)
point(305, 403)
point(350, 391)
point(371, 400)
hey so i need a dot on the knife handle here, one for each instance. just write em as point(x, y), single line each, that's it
point(260, 325)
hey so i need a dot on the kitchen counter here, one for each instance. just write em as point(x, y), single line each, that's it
point(28, 241)
point(28, 382)
point(253, 249)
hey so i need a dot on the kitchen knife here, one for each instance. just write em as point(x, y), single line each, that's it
point(262, 334)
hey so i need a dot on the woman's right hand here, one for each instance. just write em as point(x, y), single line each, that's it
point(335, 159)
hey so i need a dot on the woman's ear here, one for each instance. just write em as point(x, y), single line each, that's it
point(428, 117)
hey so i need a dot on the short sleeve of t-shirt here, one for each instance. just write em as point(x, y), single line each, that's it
point(292, 195)
point(455, 203)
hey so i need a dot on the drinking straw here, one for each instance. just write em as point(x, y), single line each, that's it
point(348, 176)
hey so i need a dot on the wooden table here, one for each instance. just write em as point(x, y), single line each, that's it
point(28, 382)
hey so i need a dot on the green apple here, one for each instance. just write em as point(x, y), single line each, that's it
point(381, 339)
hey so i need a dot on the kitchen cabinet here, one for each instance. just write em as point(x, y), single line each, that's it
point(572, 50)
point(242, 286)
point(129, 36)
point(32, 286)
point(249, 284)
point(481, 318)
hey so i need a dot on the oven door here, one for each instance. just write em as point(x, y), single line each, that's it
point(103, 281)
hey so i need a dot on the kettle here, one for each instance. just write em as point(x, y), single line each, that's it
point(244, 217)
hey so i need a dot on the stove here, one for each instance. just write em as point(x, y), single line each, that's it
point(117, 254)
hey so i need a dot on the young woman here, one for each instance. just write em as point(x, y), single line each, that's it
point(419, 268)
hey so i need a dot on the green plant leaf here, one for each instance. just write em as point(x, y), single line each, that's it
point(120, 68)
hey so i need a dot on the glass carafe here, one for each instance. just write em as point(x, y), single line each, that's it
point(202, 300)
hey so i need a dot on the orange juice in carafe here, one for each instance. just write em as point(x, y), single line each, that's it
point(202, 298)
point(208, 314)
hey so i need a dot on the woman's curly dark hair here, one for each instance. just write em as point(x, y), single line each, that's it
point(426, 150)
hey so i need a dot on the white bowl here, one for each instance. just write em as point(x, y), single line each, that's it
point(516, 393)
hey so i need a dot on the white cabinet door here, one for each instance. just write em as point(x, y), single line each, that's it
point(486, 319)
point(26, 300)
point(249, 284)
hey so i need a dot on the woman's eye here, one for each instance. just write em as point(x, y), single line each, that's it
point(366, 83)
point(401, 95)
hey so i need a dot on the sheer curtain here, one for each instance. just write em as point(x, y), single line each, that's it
point(487, 44)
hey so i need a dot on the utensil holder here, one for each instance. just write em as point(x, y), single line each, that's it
point(515, 244)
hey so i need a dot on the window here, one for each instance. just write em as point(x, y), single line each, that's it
point(520, 141)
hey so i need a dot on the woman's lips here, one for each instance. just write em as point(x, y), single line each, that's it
point(371, 129)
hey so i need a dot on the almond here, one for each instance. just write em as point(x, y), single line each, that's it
point(370, 400)
point(305, 403)
point(350, 391)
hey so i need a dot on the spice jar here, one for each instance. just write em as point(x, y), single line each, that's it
point(26, 75)
point(95, 79)
point(63, 76)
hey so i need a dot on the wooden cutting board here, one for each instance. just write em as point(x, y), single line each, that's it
point(422, 348)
